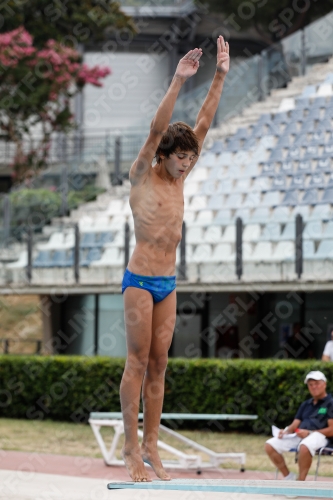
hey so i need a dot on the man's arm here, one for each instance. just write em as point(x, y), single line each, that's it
point(291, 428)
point(327, 431)
point(326, 352)
point(186, 68)
point(210, 105)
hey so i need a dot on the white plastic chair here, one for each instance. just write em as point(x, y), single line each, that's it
point(263, 251)
point(260, 214)
point(112, 257)
point(229, 234)
point(288, 232)
point(271, 199)
point(213, 234)
point(222, 253)
point(313, 230)
point(204, 217)
point(322, 212)
point(234, 200)
point(252, 199)
point(285, 250)
point(328, 231)
point(281, 214)
point(194, 235)
point(271, 231)
point(198, 175)
point(251, 232)
point(198, 202)
point(191, 188)
point(202, 253)
point(242, 185)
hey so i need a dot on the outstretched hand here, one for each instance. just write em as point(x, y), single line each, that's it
point(189, 64)
point(222, 64)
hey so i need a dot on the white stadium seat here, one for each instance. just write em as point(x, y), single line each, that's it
point(285, 250)
point(251, 232)
point(271, 231)
point(194, 235)
point(262, 252)
point(198, 202)
point(204, 217)
point(202, 253)
point(229, 234)
point(222, 253)
point(213, 234)
point(191, 188)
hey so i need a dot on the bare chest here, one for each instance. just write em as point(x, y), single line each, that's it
point(157, 205)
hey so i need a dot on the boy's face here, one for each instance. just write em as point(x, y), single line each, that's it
point(178, 162)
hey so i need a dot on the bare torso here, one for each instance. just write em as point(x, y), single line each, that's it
point(158, 209)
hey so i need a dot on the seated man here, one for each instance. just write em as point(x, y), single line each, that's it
point(313, 425)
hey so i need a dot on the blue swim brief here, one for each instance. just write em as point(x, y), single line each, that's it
point(159, 286)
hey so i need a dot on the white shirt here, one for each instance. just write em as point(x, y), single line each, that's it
point(328, 351)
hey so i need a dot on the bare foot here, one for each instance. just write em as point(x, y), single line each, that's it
point(135, 465)
point(153, 459)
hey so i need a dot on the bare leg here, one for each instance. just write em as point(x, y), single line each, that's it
point(304, 462)
point(277, 459)
point(164, 318)
point(138, 306)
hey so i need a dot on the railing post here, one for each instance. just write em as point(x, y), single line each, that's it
point(126, 244)
point(182, 274)
point(6, 219)
point(6, 346)
point(29, 249)
point(303, 53)
point(38, 346)
point(77, 253)
point(117, 156)
point(239, 247)
point(299, 246)
point(261, 93)
point(64, 190)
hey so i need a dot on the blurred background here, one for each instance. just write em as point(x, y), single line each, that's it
point(78, 91)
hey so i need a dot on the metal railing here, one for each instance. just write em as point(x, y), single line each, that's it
point(76, 263)
point(6, 345)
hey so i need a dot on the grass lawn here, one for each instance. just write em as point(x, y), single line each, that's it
point(77, 439)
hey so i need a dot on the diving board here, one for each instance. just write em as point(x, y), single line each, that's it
point(183, 460)
point(313, 489)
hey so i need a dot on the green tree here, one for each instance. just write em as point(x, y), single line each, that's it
point(68, 21)
point(272, 19)
point(35, 89)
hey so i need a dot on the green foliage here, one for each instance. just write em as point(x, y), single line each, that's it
point(70, 387)
point(38, 206)
point(273, 20)
point(70, 23)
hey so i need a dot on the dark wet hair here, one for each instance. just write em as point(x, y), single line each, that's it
point(178, 137)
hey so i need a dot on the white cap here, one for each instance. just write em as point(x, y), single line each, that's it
point(315, 375)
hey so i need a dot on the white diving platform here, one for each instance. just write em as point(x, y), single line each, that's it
point(313, 489)
point(183, 460)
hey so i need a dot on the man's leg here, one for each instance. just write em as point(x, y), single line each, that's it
point(164, 318)
point(307, 450)
point(304, 462)
point(277, 459)
point(138, 305)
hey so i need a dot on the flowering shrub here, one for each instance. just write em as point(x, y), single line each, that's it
point(35, 89)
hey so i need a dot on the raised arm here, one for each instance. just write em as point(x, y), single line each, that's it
point(186, 68)
point(209, 107)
